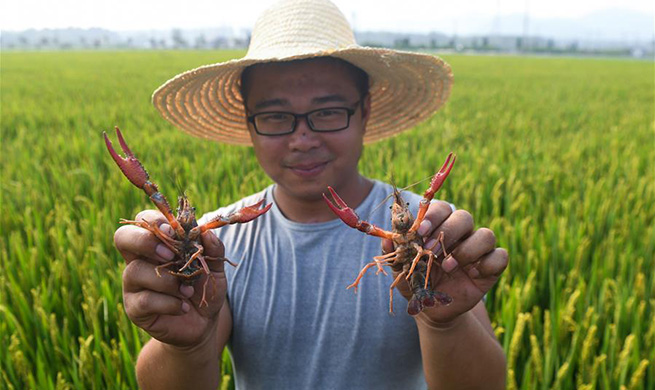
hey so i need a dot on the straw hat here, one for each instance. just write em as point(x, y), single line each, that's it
point(406, 88)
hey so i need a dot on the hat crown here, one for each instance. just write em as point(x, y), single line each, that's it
point(299, 27)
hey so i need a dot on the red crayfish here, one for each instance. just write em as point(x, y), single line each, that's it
point(189, 262)
point(410, 259)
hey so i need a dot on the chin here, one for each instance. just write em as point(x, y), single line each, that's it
point(306, 192)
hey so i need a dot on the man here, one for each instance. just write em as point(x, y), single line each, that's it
point(284, 311)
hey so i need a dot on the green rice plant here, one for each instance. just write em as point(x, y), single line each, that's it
point(554, 154)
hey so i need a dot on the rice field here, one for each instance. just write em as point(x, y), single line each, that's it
point(556, 155)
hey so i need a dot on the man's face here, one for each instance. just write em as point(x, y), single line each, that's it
point(305, 162)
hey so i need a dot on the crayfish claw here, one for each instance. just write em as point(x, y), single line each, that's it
point(129, 165)
point(251, 212)
point(243, 215)
point(123, 144)
point(340, 202)
point(439, 178)
point(414, 306)
point(341, 209)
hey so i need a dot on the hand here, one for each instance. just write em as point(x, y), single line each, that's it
point(162, 306)
point(472, 269)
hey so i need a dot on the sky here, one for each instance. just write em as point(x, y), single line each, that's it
point(365, 15)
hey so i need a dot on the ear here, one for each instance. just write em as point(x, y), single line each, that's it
point(366, 110)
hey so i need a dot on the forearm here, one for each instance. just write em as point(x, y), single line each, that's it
point(162, 366)
point(463, 355)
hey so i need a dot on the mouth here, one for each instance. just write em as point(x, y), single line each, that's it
point(308, 169)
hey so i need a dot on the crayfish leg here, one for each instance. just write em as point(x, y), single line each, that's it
point(393, 285)
point(203, 300)
point(165, 265)
point(193, 257)
point(361, 274)
point(165, 239)
point(225, 259)
point(419, 253)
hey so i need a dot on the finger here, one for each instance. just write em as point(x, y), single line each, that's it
point(140, 275)
point(437, 213)
point(147, 303)
point(134, 242)
point(154, 217)
point(209, 292)
point(492, 264)
point(213, 247)
point(481, 242)
point(387, 246)
point(217, 264)
point(456, 227)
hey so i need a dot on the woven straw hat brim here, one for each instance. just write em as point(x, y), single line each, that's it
point(406, 88)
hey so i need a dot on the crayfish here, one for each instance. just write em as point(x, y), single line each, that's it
point(410, 259)
point(189, 262)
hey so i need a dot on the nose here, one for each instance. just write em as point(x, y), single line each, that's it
point(303, 138)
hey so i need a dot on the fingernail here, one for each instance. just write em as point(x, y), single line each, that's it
point(185, 307)
point(449, 264)
point(187, 291)
point(431, 245)
point(164, 252)
point(167, 229)
point(424, 227)
point(474, 273)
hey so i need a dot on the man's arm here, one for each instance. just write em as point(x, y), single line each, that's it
point(458, 347)
point(163, 366)
point(463, 354)
point(187, 337)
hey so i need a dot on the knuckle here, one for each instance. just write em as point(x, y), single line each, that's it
point(127, 274)
point(119, 236)
point(438, 211)
point(131, 273)
point(149, 216)
point(212, 245)
point(387, 246)
point(127, 304)
point(140, 302)
point(130, 238)
point(441, 207)
point(465, 217)
point(488, 237)
point(504, 255)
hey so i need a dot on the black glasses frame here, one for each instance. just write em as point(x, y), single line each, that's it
point(296, 117)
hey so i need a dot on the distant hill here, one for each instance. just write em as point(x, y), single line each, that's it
point(607, 25)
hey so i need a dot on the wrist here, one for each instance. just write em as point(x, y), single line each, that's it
point(206, 350)
point(424, 320)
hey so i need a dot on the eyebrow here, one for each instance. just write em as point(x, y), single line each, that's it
point(285, 103)
point(329, 99)
point(270, 103)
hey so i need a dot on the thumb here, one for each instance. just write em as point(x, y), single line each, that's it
point(387, 246)
point(212, 245)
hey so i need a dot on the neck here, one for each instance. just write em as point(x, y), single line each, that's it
point(314, 209)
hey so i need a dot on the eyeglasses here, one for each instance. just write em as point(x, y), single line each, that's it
point(322, 120)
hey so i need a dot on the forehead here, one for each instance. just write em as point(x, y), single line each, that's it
point(307, 77)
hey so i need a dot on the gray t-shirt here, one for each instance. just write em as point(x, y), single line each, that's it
point(295, 326)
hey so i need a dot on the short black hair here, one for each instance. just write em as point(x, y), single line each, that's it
point(359, 76)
